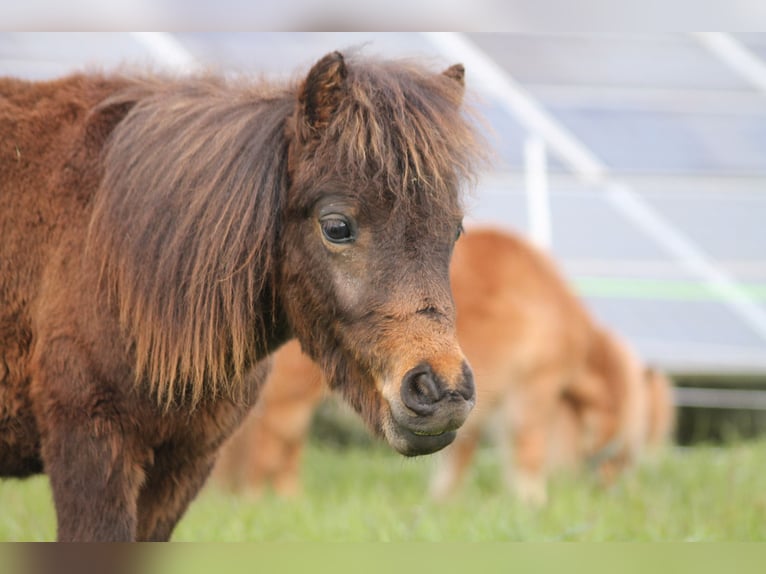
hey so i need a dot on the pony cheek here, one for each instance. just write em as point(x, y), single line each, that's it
point(348, 290)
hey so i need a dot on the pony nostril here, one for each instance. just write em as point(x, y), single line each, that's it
point(425, 388)
point(467, 389)
point(421, 390)
point(424, 392)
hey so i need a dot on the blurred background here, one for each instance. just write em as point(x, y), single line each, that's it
point(637, 160)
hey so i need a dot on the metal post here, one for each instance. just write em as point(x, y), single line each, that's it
point(538, 200)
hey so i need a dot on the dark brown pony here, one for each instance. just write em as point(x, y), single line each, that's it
point(161, 236)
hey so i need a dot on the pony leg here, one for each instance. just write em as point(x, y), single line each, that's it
point(529, 427)
point(95, 477)
point(275, 450)
point(228, 470)
point(280, 424)
point(453, 463)
point(182, 465)
point(528, 478)
point(287, 478)
point(172, 483)
point(94, 463)
point(263, 455)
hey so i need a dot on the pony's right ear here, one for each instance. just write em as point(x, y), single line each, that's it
point(321, 93)
point(456, 72)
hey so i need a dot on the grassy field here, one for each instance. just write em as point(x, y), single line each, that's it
point(699, 493)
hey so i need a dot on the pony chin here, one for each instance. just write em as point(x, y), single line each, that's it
point(408, 443)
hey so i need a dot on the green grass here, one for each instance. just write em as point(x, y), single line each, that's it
point(701, 493)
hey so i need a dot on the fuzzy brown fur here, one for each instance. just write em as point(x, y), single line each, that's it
point(567, 391)
point(161, 236)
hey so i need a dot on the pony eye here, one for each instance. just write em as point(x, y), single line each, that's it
point(459, 231)
point(337, 229)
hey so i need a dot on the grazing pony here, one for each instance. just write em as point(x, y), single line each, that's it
point(160, 237)
point(567, 391)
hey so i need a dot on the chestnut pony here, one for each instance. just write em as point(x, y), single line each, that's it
point(566, 390)
point(161, 236)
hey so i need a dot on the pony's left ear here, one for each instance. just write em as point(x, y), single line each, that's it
point(102, 120)
point(322, 91)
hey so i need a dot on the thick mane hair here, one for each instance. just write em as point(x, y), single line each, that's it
point(406, 127)
point(186, 222)
point(186, 225)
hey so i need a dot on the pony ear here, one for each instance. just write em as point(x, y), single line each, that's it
point(457, 73)
point(322, 90)
point(105, 117)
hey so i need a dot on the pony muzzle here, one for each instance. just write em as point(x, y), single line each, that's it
point(426, 412)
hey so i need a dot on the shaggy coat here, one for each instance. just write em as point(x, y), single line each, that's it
point(161, 236)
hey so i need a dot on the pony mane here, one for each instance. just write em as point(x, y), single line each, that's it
point(185, 226)
point(407, 128)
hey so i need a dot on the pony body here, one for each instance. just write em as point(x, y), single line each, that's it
point(161, 236)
